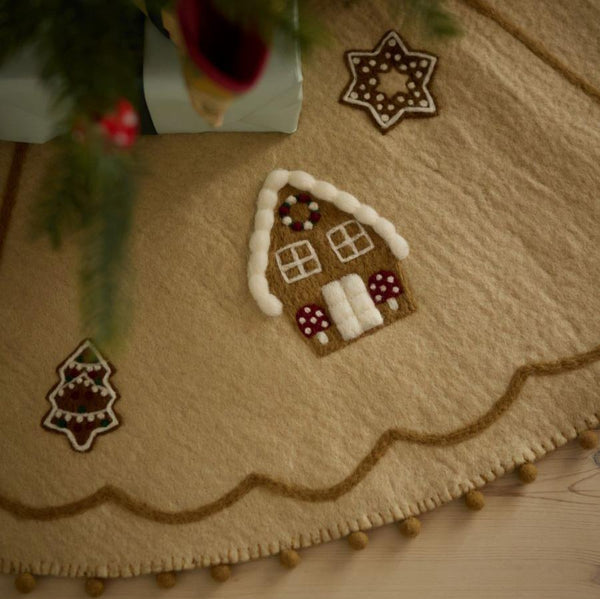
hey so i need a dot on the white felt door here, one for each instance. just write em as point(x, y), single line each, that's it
point(350, 306)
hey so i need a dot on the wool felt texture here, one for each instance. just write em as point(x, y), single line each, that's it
point(498, 365)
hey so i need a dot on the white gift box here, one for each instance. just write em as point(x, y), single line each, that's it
point(272, 105)
point(27, 112)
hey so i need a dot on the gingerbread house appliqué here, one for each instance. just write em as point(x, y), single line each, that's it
point(327, 260)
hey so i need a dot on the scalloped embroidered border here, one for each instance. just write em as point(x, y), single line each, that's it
point(111, 494)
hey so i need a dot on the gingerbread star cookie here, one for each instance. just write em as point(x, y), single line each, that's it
point(391, 82)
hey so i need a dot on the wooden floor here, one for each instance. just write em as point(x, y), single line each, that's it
point(538, 541)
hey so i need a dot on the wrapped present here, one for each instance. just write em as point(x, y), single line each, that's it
point(27, 111)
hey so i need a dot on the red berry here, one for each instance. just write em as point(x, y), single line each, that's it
point(315, 217)
point(284, 210)
point(297, 225)
point(304, 198)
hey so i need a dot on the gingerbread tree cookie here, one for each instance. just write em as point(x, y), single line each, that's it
point(82, 401)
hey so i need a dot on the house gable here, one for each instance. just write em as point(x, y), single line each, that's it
point(269, 199)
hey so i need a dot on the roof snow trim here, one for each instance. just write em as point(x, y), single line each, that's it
point(260, 240)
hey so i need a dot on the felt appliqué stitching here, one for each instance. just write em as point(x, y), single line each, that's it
point(336, 282)
point(391, 57)
point(82, 401)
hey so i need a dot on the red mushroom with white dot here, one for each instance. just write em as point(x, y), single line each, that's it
point(313, 320)
point(384, 286)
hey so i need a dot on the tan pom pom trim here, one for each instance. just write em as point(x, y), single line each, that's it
point(25, 582)
point(166, 580)
point(220, 573)
point(358, 540)
point(475, 500)
point(588, 440)
point(411, 527)
point(94, 587)
point(527, 472)
point(289, 558)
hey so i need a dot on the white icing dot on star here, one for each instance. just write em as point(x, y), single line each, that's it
point(423, 63)
point(385, 117)
point(403, 67)
point(362, 86)
point(418, 74)
point(372, 62)
point(423, 103)
point(410, 85)
point(412, 64)
point(355, 60)
point(384, 67)
point(380, 97)
point(417, 94)
point(354, 95)
point(392, 43)
point(411, 102)
point(379, 106)
point(390, 107)
point(365, 69)
point(387, 54)
point(397, 57)
point(367, 96)
point(372, 81)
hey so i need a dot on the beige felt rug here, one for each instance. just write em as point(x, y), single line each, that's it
point(231, 437)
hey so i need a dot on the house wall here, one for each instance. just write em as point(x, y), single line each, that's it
point(308, 290)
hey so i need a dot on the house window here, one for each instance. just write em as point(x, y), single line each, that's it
point(349, 240)
point(297, 261)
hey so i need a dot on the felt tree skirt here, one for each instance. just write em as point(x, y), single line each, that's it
point(227, 437)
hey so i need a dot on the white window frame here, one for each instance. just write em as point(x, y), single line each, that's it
point(349, 241)
point(297, 261)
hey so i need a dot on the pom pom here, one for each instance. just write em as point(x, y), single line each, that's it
point(346, 202)
point(398, 246)
point(358, 540)
point(257, 264)
point(25, 582)
point(94, 587)
point(260, 241)
point(410, 527)
point(475, 500)
point(588, 439)
point(220, 573)
point(289, 558)
point(324, 191)
point(276, 179)
point(267, 199)
point(366, 215)
point(301, 180)
point(264, 219)
point(267, 302)
point(527, 472)
point(166, 580)
point(384, 228)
